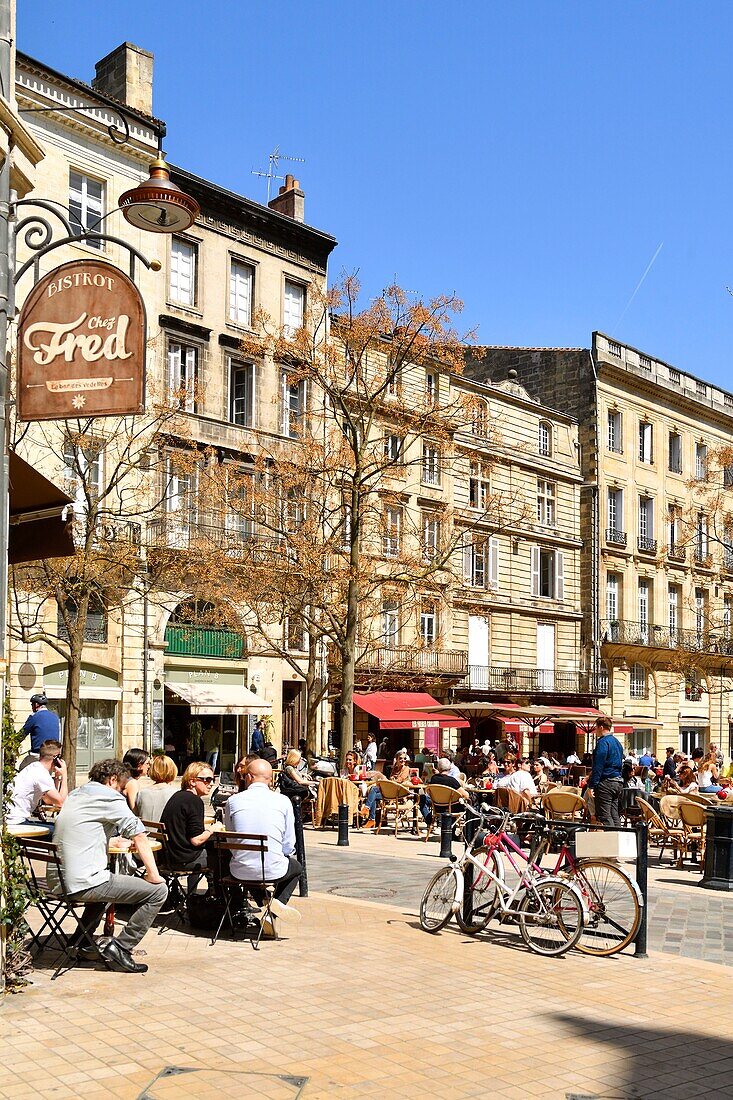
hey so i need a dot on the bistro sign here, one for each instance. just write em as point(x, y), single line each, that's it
point(81, 345)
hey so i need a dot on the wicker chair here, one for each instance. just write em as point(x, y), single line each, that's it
point(561, 805)
point(693, 830)
point(396, 801)
point(445, 800)
point(659, 830)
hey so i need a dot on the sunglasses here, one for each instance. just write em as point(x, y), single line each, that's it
point(205, 778)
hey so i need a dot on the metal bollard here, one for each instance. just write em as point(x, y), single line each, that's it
point(467, 900)
point(343, 840)
point(642, 863)
point(446, 836)
point(300, 846)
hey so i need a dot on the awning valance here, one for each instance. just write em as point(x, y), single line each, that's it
point(40, 517)
point(395, 710)
point(694, 722)
point(220, 699)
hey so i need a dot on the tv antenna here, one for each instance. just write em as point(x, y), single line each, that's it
point(274, 163)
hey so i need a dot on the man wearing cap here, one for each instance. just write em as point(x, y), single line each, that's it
point(42, 724)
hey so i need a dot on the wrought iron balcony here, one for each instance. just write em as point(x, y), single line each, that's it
point(676, 553)
point(702, 557)
point(646, 545)
point(623, 632)
point(532, 680)
point(614, 537)
point(191, 536)
point(203, 641)
point(409, 659)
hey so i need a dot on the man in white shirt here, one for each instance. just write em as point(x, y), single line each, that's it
point(519, 779)
point(573, 758)
point(370, 753)
point(35, 785)
point(261, 811)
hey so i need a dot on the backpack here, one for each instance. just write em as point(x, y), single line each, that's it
point(268, 752)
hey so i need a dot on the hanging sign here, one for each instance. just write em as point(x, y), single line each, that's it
point(81, 345)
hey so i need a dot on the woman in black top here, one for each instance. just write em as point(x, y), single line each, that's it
point(183, 817)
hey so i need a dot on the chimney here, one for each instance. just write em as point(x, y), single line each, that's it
point(127, 74)
point(290, 200)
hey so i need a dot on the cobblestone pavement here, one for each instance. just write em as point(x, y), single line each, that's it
point(359, 1002)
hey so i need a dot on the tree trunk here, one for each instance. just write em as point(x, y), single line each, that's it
point(73, 712)
point(348, 647)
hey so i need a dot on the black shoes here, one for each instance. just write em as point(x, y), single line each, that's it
point(117, 958)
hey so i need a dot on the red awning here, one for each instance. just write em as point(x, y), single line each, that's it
point(622, 729)
point(515, 727)
point(393, 708)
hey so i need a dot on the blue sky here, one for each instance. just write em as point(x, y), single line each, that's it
point(529, 156)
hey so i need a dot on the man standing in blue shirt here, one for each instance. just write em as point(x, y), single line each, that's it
point(43, 724)
point(605, 780)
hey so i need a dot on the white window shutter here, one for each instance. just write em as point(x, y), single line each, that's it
point(535, 570)
point(559, 575)
point(494, 563)
point(174, 367)
point(191, 379)
point(467, 561)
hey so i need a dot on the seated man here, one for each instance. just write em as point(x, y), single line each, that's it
point(518, 779)
point(183, 817)
point(89, 817)
point(34, 786)
point(261, 811)
point(441, 778)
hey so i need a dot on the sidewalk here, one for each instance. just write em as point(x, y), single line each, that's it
point(361, 1002)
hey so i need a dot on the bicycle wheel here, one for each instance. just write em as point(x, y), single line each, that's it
point(614, 913)
point(550, 917)
point(439, 900)
point(483, 896)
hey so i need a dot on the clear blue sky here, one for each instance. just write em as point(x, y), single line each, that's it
point(529, 156)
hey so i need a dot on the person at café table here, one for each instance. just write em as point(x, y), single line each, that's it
point(351, 763)
point(685, 782)
point(183, 817)
point(517, 777)
point(295, 769)
point(35, 786)
point(441, 778)
point(539, 776)
point(89, 817)
point(491, 768)
point(400, 773)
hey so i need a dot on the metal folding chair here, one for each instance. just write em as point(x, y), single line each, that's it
point(225, 845)
point(53, 907)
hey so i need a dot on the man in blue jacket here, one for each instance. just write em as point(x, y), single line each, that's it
point(605, 780)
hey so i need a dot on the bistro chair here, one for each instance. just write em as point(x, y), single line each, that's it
point(562, 805)
point(234, 890)
point(53, 907)
point(659, 830)
point(395, 801)
point(177, 890)
point(693, 830)
point(445, 800)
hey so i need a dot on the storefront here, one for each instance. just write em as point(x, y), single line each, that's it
point(390, 716)
point(100, 693)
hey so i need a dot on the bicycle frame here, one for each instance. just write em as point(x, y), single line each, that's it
point(503, 844)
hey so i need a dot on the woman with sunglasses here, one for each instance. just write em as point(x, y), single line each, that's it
point(183, 817)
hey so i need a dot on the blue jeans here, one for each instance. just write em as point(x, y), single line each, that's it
point(47, 825)
point(374, 795)
point(712, 789)
point(426, 807)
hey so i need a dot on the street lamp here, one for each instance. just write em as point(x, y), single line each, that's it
point(157, 204)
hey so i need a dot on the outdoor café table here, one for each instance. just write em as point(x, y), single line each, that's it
point(28, 831)
point(115, 851)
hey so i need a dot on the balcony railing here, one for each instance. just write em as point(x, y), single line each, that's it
point(676, 553)
point(203, 641)
point(623, 632)
point(557, 681)
point(702, 557)
point(646, 545)
point(192, 536)
point(404, 659)
point(614, 537)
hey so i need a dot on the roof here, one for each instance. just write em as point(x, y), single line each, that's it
point(395, 710)
point(517, 347)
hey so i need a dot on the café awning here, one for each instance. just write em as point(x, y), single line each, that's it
point(40, 515)
point(396, 710)
point(220, 698)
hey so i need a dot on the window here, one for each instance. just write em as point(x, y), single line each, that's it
point(615, 510)
point(431, 386)
point(638, 687)
point(615, 428)
point(546, 502)
point(728, 476)
point(95, 627)
point(83, 472)
point(239, 520)
point(183, 364)
point(701, 461)
point(242, 393)
point(544, 441)
point(179, 495)
point(547, 573)
point(430, 464)
point(646, 442)
point(478, 487)
point(392, 447)
point(673, 612)
point(293, 510)
point(728, 546)
point(294, 633)
point(481, 561)
point(241, 282)
point(702, 546)
point(293, 406)
point(674, 463)
point(700, 612)
point(646, 523)
point(184, 271)
point(430, 536)
point(643, 605)
point(693, 688)
point(480, 419)
point(612, 601)
point(428, 627)
point(727, 616)
point(390, 624)
point(673, 525)
point(392, 533)
point(603, 679)
point(293, 307)
point(393, 379)
point(86, 205)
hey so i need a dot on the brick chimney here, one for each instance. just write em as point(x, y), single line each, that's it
point(127, 74)
point(290, 200)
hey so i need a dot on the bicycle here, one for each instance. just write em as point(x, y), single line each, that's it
point(612, 898)
point(549, 910)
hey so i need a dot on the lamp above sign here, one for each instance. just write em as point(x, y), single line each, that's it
point(81, 345)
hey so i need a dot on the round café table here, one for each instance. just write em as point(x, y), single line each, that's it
point(28, 832)
point(115, 851)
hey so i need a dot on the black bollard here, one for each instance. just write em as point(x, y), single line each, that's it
point(343, 840)
point(446, 836)
point(300, 845)
point(642, 861)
